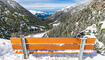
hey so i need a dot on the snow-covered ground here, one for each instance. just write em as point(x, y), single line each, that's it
point(7, 53)
point(37, 35)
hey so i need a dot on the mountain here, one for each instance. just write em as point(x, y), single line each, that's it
point(40, 14)
point(80, 20)
point(13, 16)
point(35, 12)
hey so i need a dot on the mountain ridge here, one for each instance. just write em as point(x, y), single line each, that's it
point(40, 14)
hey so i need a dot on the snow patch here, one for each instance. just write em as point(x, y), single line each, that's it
point(12, 3)
point(100, 44)
point(37, 35)
point(33, 27)
point(103, 25)
point(98, 57)
point(7, 12)
point(56, 24)
point(90, 31)
point(77, 24)
point(35, 12)
point(92, 28)
point(4, 46)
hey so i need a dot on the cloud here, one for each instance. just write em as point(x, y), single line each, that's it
point(35, 1)
point(45, 5)
point(49, 1)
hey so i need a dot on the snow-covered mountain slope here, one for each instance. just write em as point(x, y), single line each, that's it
point(40, 14)
point(65, 12)
point(76, 7)
point(75, 21)
point(35, 12)
point(12, 15)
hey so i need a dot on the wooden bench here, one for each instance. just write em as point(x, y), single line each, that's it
point(28, 45)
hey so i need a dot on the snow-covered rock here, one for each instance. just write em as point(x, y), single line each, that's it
point(56, 24)
point(40, 13)
point(35, 12)
point(103, 25)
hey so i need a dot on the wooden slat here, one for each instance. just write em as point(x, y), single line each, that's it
point(52, 40)
point(47, 40)
point(53, 53)
point(53, 47)
point(15, 40)
point(65, 41)
point(91, 40)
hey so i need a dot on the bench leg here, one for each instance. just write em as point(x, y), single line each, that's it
point(82, 46)
point(24, 48)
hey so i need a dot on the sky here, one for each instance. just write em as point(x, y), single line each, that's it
point(46, 4)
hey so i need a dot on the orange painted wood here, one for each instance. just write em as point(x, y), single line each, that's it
point(47, 40)
point(52, 40)
point(53, 47)
point(91, 40)
point(65, 41)
point(53, 53)
point(15, 40)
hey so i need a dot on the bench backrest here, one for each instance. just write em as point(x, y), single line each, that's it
point(53, 44)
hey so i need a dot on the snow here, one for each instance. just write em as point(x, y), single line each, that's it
point(76, 24)
point(76, 51)
point(98, 57)
point(7, 12)
point(12, 3)
point(103, 25)
point(7, 53)
point(100, 44)
point(93, 28)
point(33, 27)
point(37, 35)
point(76, 7)
point(56, 24)
point(91, 32)
point(94, 12)
point(3, 44)
point(34, 12)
